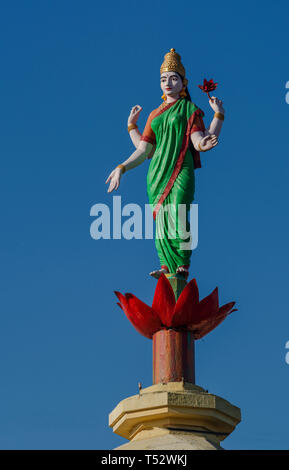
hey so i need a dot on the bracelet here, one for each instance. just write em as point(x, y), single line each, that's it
point(219, 116)
point(122, 167)
point(131, 127)
point(200, 148)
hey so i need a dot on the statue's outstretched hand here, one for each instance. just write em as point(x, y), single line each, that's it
point(114, 179)
point(216, 105)
point(208, 142)
point(134, 114)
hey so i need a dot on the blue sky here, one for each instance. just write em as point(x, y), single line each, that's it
point(70, 72)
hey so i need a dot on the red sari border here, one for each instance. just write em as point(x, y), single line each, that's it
point(157, 113)
point(180, 161)
point(169, 105)
point(147, 139)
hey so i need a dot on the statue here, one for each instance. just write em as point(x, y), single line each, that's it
point(173, 138)
point(173, 413)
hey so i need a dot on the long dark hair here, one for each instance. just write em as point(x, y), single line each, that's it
point(188, 98)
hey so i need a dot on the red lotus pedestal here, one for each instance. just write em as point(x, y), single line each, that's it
point(176, 306)
point(173, 356)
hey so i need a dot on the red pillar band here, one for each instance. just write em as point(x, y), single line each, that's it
point(173, 356)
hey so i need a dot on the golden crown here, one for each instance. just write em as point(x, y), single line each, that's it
point(172, 63)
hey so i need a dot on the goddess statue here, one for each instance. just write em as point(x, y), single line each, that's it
point(173, 137)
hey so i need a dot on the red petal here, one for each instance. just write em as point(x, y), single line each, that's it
point(121, 298)
point(209, 326)
point(208, 308)
point(187, 305)
point(139, 314)
point(164, 300)
point(227, 308)
point(213, 322)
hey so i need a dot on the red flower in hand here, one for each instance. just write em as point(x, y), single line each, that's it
point(187, 313)
point(208, 86)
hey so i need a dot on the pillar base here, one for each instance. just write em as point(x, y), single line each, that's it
point(172, 416)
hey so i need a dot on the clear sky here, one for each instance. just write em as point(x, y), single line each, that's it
point(70, 73)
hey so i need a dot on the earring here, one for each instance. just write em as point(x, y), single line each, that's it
point(183, 93)
point(164, 97)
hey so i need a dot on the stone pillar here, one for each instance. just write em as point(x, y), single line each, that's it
point(174, 350)
point(173, 356)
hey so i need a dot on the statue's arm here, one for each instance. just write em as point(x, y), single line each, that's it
point(136, 158)
point(202, 141)
point(207, 139)
point(217, 123)
point(215, 127)
point(135, 134)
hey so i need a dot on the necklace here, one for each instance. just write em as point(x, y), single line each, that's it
point(164, 104)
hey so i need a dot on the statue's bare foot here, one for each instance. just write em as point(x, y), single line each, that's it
point(184, 270)
point(157, 273)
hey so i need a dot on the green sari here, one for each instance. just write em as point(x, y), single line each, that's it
point(171, 180)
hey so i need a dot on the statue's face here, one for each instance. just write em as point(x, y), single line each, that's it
point(171, 83)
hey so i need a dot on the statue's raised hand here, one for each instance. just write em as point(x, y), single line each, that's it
point(216, 105)
point(134, 114)
point(114, 179)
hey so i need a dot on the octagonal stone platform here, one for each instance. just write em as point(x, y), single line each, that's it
point(174, 415)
